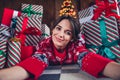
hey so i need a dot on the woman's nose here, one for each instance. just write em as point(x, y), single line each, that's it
point(61, 34)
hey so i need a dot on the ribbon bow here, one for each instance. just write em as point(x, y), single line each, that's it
point(105, 6)
point(30, 31)
point(29, 11)
point(104, 49)
point(2, 53)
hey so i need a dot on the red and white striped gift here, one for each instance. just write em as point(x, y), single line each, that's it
point(4, 36)
point(13, 52)
point(32, 22)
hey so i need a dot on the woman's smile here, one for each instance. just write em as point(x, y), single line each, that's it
point(59, 39)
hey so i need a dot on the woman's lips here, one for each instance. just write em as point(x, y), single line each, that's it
point(58, 39)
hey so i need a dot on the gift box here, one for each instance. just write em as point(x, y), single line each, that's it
point(4, 36)
point(46, 30)
point(102, 37)
point(85, 15)
point(13, 52)
point(29, 29)
point(3, 49)
point(8, 14)
point(32, 10)
point(17, 52)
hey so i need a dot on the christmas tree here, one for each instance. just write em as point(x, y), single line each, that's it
point(67, 8)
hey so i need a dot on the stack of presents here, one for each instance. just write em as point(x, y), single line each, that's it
point(20, 31)
point(100, 24)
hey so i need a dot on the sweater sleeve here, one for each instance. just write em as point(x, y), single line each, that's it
point(34, 65)
point(79, 48)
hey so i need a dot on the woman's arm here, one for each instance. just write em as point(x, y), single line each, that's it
point(13, 73)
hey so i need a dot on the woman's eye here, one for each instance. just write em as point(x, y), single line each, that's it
point(68, 32)
point(58, 28)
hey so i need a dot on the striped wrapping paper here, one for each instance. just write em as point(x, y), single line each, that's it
point(4, 36)
point(32, 10)
point(85, 15)
point(32, 22)
point(93, 35)
point(4, 33)
point(117, 10)
point(13, 53)
point(46, 30)
point(3, 49)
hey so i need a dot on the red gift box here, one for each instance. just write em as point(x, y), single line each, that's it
point(8, 14)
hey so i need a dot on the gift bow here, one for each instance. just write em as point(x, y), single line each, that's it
point(2, 53)
point(105, 6)
point(104, 49)
point(29, 11)
point(30, 31)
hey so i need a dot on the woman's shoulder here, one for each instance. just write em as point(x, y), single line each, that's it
point(44, 43)
point(76, 43)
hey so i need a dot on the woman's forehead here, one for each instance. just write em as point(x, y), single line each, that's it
point(65, 23)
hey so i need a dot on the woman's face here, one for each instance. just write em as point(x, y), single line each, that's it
point(62, 34)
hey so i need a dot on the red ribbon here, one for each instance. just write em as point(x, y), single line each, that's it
point(28, 31)
point(105, 6)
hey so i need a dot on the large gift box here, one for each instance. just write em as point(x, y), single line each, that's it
point(102, 37)
point(4, 36)
point(8, 15)
point(102, 33)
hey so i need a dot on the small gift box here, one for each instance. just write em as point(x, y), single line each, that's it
point(3, 49)
point(8, 14)
point(13, 52)
point(29, 29)
point(17, 52)
point(102, 37)
point(4, 36)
